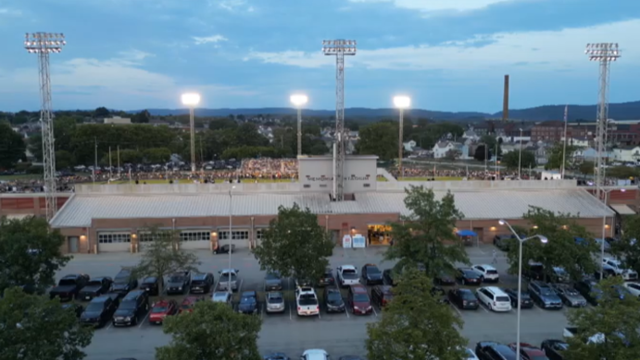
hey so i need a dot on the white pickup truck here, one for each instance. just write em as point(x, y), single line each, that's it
point(307, 302)
point(348, 275)
point(594, 339)
point(618, 267)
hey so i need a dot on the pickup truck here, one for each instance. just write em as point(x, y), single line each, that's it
point(348, 275)
point(179, 282)
point(69, 286)
point(594, 339)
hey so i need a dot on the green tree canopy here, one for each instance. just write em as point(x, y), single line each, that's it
point(427, 235)
point(481, 153)
point(627, 247)
point(609, 330)
point(64, 159)
point(379, 139)
point(554, 157)
point(295, 245)
point(29, 253)
point(561, 249)
point(101, 112)
point(143, 117)
point(415, 325)
point(212, 331)
point(12, 146)
point(34, 327)
point(512, 159)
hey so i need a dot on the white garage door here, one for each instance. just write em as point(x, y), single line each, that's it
point(240, 238)
point(195, 240)
point(114, 242)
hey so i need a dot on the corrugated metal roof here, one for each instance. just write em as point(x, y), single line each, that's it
point(475, 205)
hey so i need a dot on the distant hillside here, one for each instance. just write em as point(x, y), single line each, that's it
point(620, 111)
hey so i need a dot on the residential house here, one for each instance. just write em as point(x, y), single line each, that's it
point(591, 154)
point(470, 135)
point(409, 146)
point(626, 154)
point(117, 120)
point(441, 148)
point(578, 142)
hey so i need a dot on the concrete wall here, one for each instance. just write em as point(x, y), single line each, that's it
point(27, 204)
point(316, 173)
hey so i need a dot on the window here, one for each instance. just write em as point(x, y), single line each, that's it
point(235, 235)
point(259, 234)
point(148, 237)
point(114, 238)
point(195, 236)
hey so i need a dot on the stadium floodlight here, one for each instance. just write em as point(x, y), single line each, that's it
point(299, 100)
point(43, 44)
point(401, 102)
point(339, 48)
point(192, 100)
point(605, 54)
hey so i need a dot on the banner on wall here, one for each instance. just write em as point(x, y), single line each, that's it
point(359, 241)
point(346, 241)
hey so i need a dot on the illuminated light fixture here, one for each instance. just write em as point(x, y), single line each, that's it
point(535, 226)
point(190, 99)
point(299, 99)
point(402, 102)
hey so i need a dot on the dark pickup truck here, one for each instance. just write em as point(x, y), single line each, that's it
point(69, 287)
point(179, 282)
point(94, 288)
point(124, 282)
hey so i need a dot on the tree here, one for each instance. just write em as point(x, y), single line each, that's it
point(491, 142)
point(512, 159)
point(158, 155)
point(379, 139)
point(36, 327)
point(29, 253)
point(415, 325)
point(295, 245)
point(101, 112)
point(427, 235)
point(554, 157)
point(64, 129)
point(627, 248)
point(143, 117)
point(163, 256)
point(480, 153)
point(609, 330)
point(12, 146)
point(587, 168)
point(561, 250)
point(212, 331)
point(222, 123)
point(64, 159)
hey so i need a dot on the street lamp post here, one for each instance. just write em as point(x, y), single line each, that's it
point(192, 100)
point(544, 240)
point(230, 237)
point(299, 100)
point(520, 158)
point(606, 193)
point(401, 102)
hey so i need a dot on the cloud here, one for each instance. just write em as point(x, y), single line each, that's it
point(438, 5)
point(10, 12)
point(234, 5)
point(543, 50)
point(209, 39)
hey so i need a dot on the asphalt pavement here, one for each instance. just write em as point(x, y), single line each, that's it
point(339, 334)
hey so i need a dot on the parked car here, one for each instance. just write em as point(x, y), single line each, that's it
point(161, 309)
point(328, 279)
point(221, 297)
point(132, 308)
point(315, 354)
point(124, 282)
point(273, 281)
point(569, 295)
point(358, 300)
point(470, 354)
point(468, 276)
point(95, 287)
point(620, 269)
point(494, 298)
point(587, 288)
point(69, 287)
point(228, 279)
point(633, 288)
point(275, 302)
point(224, 249)
point(444, 279)
point(348, 275)
point(276, 356)
point(307, 302)
point(529, 352)
point(544, 296)
point(463, 299)
point(489, 273)
point(188, 303)
point(608, 271)
point(554, 349)
point(333, 300)
point(248, 303)
point(525, 299)
point(489, 350)
point(201, 283)
point(381, 295)
point(371, 275)
point(178, 282)
point(535, 271)
point(100, 310)
point(151, 285)
point(76, 308)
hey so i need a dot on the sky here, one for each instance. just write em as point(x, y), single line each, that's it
point(447, 55)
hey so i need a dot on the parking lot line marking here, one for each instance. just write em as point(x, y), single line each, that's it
point(374, 311)
point(109, 326)
point(290, 312)
point(240, 286)
point(484, 307)
point(319, 316)
point(456, 309)
point(144, 319)
point(346, 312)
point(215, 286)
point(264, 310)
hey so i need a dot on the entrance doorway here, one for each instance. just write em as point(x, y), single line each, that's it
point(73, 244)
point(379, 234)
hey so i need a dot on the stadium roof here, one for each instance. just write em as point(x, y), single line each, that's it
point(475, 205)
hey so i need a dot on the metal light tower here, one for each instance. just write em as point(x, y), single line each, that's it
point(192, 100)
point(605, 54)
point(402, 103)
point(299, 101)
point(43, 44)
point(339, 48)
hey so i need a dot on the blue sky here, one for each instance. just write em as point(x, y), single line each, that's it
point(447, 54)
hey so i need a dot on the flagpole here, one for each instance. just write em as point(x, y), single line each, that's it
point(564, 145)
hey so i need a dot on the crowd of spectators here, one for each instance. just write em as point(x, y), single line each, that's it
point(428, 173)
point(265, 168)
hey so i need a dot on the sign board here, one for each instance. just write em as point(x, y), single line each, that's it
point(346, 241)
point(359, 242)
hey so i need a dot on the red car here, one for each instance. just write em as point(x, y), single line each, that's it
point(530, 352)
point(161, 310)
point(358, 300)
point(188, 303)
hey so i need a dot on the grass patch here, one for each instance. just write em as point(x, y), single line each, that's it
point(183, 181)
point(21, 177)
point(425, 178)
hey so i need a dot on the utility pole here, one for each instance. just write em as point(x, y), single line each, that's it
point(95, 158)
point(564, 145)
point(118, 152)
point(110, 170)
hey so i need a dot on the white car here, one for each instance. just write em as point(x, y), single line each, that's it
point(618, 267)
point(633, 287)
point(494, 298)
point(315, 354)
point(489, 273)
point(348, 275)
point(307, 302)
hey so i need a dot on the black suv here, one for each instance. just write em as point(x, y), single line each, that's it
point(124, 282)
point(487, 350)
point(133, 307)
point(371, 275)
point(201, 283)
point(100, 310)
point(151, 285)
point(94, 288)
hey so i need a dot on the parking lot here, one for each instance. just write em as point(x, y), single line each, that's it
point(340, 334)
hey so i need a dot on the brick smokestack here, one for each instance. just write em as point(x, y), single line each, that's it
point(505, 101)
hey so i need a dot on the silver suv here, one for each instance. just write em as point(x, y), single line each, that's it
point(275, 302)
point(228, 279)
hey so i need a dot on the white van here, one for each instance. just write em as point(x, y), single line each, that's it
point(494, 298)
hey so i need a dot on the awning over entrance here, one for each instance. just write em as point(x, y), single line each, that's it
point(466, 233)
point(623, 209)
